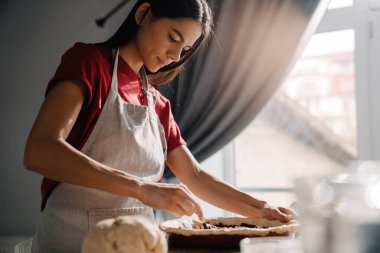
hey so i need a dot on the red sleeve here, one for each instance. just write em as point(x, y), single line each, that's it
point(172, 132)
point(78, 63)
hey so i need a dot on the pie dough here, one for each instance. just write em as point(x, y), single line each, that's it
point(263, 227)
point(125, 234)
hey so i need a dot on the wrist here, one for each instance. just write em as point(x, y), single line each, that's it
point(262, 204)
point(254, 202)
point(142, 190)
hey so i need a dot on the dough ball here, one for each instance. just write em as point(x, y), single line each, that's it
point(125, 234)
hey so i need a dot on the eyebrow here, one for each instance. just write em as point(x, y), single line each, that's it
point(180, 36)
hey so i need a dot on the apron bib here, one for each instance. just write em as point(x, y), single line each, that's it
point(127, 137)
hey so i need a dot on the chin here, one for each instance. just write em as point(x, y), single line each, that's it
point(152, 69)
point(152, 65)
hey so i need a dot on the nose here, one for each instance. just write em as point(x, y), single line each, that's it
point(174, 54)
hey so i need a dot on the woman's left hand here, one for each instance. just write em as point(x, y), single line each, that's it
point(218, 193)
point(276, 213)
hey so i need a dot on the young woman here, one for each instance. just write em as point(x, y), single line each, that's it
point(103, 134)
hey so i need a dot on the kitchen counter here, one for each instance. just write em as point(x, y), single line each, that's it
point(202, 251)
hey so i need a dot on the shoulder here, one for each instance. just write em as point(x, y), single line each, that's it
point(86, 63)
point(88, 52)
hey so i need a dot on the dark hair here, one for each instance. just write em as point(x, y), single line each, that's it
point(197, 10)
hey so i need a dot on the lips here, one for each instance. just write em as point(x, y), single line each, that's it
point(160, 62)
point(163, 63)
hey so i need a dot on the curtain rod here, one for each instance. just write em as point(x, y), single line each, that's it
point(101, 21)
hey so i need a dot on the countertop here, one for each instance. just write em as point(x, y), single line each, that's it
point(202, 251)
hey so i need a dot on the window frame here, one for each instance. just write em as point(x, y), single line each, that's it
point(362, 20)
point(367, 56)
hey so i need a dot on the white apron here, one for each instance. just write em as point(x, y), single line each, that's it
point(127, 137)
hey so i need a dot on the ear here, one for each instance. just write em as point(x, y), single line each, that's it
point(143, 14)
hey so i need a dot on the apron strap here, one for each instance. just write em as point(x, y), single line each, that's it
point(149, 95)
point(114, 82)
point(143, 78)
point(142, 74)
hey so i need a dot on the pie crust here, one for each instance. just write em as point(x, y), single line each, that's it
point(223, 233)
point(264, 227)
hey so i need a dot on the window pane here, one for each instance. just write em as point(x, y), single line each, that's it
point(335, 4)
point(275, 198)
point(309, 126)
point(323, 84)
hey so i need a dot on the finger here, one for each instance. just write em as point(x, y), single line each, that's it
point(186, 190)
point(285, 210)
point(199, 213)
point(186, 205)
point(272, 213)
point(283, 217)
point(198, 209)
point(291, 212)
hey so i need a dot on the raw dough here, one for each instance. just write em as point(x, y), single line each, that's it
point(265, 227)
point(125, 234)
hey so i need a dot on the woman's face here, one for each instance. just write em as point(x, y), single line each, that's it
point(160, 41)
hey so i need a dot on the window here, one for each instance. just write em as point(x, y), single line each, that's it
point(309, 125)
point(335, 4)
point(323, 85)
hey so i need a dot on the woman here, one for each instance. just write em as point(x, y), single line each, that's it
point(105, 134)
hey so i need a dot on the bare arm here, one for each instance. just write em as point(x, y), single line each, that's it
point(217, 192)
point(48, 153)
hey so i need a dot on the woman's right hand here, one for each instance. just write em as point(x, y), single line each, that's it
point(173, 198)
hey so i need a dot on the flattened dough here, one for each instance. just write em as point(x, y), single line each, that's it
point(265, 227)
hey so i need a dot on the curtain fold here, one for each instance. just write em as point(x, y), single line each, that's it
point(256, 43)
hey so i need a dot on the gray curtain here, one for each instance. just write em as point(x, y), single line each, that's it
point(256, 43)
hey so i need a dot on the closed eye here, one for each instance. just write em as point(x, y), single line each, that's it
point(171, 39)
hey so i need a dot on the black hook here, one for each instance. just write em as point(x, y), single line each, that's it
point(101, 21)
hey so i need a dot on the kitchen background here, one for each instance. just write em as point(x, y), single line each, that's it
point(324, 115)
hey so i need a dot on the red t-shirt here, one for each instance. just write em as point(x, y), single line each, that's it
point(92, 64)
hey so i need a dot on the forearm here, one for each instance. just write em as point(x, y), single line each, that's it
point(217, 192)
point(223, 195)
point(58, 160)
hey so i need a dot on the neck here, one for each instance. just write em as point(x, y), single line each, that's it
point(130, 54)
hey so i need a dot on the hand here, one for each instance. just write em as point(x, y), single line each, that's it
point(173, 198)
point(276, 213)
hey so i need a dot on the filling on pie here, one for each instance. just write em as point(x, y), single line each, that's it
point(206, 225)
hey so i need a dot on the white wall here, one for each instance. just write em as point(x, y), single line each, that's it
point(33, 36)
